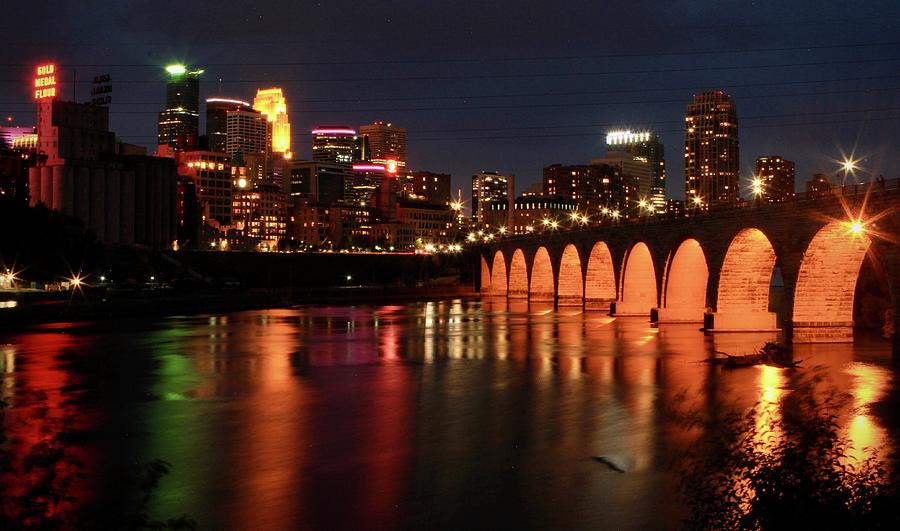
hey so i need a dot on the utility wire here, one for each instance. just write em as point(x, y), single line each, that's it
point(468, 76)
point(497, 59)
point(161, 104)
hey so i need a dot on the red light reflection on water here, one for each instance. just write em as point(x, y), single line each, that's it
point(40, 412)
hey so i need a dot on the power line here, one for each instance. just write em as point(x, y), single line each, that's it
point(305, 140)
point(498, 59)
point(553, 105)
point(160, 104)
point(520, 75)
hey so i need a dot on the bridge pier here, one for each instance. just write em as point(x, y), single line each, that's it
point(602, 305)
point(748, 321)
point(680, 315)
point(566, 300)
point(822, 332)
point(631, 309)
point(542, 297)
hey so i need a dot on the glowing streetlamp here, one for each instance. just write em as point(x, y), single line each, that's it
point(756, 188)
point(502, 230)
point(698, 201)
point(849, 165)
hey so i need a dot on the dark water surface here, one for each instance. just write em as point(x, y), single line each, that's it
point(447, 414)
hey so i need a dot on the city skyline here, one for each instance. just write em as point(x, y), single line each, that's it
point(447, 98)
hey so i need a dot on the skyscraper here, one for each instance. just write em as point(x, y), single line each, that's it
point(179, 123)
point(711, 162)
point(776, 179)
point(590, 188)
point(646, 147)
point(217, 120)
point(272, 104)
point(427, 186)
point(488, 187)
point(246, 132)
point(385, 142)
point(336, 143)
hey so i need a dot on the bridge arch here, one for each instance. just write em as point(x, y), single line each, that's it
point(571, 279)
point(498, 275)
point(600, 280)
point(485, 277)
point(742, 301)
point(518, 276)
point(541, 287)
point(638, 294)
point(826, 285)
point(685, 284)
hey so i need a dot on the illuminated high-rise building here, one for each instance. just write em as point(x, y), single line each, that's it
point(818, 186)
point(339, 144)
point(217, 120)
point(271, 103)
point(776, 179)
point(645, 147)
point(384, 143)
point(711, 162)
point(179, 123)
point(246, 132)
point(427, 186)
point(487, 188)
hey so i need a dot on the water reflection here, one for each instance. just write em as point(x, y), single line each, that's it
point(436, 414)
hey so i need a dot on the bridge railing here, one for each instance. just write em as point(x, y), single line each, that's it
point(877, 187)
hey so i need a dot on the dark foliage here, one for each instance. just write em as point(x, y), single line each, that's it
point(38, 481)
point(792, 470)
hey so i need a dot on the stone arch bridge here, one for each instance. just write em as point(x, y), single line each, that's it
point(717, 268)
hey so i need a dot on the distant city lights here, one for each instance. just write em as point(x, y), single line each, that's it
point(614, 138)
point(334, 131)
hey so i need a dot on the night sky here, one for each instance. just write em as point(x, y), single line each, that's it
point(502, 85)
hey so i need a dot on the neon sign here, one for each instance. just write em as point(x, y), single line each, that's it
point(391, 166)
point(45, 82)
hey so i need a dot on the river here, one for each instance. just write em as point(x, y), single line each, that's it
point(445, 414)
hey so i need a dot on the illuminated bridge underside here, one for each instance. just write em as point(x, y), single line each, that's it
point(716, 269)
point(743, 302)
point(823, 301)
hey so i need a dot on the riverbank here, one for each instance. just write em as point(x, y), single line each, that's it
point(30, 308)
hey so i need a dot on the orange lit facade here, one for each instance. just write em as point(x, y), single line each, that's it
point(271, 103)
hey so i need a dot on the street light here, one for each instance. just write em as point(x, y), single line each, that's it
point(698, 201)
